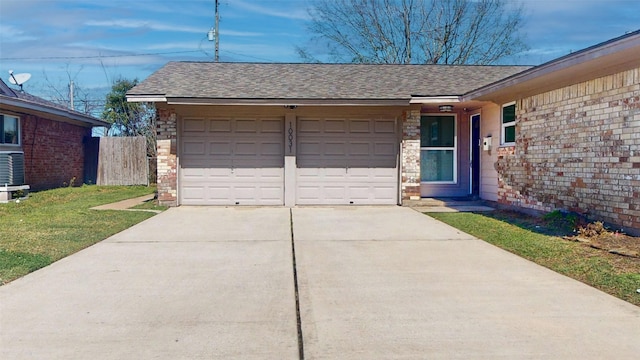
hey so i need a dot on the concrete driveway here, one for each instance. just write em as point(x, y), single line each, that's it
point(373, 282)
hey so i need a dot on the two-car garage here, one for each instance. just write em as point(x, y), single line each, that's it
point(232, 159)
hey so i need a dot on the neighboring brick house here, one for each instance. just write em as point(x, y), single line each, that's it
point(49, 139)
point(562, 135)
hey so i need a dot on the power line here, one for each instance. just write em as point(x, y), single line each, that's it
point(130, 55)
point(249, 56)
point(97, 56)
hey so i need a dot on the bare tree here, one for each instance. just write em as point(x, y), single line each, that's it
point(61, 93)
point(416, 31)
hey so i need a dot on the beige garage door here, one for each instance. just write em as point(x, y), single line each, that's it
point(232, 161)
point(346, 161)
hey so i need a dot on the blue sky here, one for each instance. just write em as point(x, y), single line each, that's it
point(95, 42)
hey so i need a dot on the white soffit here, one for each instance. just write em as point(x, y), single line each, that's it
point(288, 102)
point(146, 98)
point(434, 99)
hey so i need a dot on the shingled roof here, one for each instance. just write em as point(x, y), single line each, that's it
point(20, 100)
point(208, 80)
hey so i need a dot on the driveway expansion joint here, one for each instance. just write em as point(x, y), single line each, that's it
point(295, 287)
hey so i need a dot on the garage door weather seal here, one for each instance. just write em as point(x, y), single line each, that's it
point(295, 286)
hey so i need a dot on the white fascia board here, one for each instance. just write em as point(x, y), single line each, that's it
point(435, 99)
point(146, 98)
point(68, 114)
point(289, 102)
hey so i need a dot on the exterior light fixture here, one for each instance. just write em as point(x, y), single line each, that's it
point(445, 108)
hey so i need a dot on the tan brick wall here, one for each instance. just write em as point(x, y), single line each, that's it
point(411, 155)
point(167, 157)
point(578, 148)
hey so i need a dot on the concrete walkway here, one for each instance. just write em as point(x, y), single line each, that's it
point(128, 204)
point(374, 283)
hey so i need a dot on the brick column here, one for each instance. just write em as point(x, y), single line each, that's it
point(411, 155)
point(167, 157)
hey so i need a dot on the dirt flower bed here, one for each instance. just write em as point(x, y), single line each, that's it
point(599, 237)
point(572, 228)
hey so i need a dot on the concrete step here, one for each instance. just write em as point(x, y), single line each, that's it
point(447, 205)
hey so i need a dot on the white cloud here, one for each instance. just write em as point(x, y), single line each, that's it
point(192, 45)
point(296, 13)
point(239, 33)
point(142, 24)
point(9, 33)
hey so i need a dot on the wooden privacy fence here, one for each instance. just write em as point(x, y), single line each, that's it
point(123, 161)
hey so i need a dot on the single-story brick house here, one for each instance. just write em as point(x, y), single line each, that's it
point(42, 139)
point(565, 134)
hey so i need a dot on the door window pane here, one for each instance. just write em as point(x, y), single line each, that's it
point(436, 165)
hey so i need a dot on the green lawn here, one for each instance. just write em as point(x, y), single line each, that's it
point(616, 275)
point(56, 223)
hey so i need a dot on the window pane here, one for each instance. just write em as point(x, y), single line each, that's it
point(510, 134)
point(10, 130)
point(509, 114)
point(436, 131)
point(436, 165)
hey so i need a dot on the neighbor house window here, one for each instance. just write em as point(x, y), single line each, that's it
point(509, 123)
point(438, 149)
point(9, 130)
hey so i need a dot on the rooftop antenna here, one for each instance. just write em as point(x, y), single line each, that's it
point(213, 34)
point(18, 79)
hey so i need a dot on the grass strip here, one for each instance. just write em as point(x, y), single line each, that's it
point(55, 223)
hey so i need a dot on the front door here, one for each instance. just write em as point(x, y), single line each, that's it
point(475, 155)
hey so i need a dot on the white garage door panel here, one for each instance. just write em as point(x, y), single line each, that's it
point(346, 161)
point(232, 161)
point(331, 186)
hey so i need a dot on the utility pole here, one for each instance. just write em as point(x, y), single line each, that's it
point(217, 56)
point(214, 34)
point(71, 91)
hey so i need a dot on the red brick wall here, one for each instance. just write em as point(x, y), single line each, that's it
point(53, 152)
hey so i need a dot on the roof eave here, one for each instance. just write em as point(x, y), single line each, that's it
point(596, 61)
point(146, 98)
point(286, 102)
point(435, 99)
point(60, 113)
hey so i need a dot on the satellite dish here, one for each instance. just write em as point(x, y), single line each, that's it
point(18, 79)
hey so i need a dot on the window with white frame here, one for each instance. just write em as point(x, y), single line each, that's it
point(508, 123)
point(438, 149)
point(9, 130)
